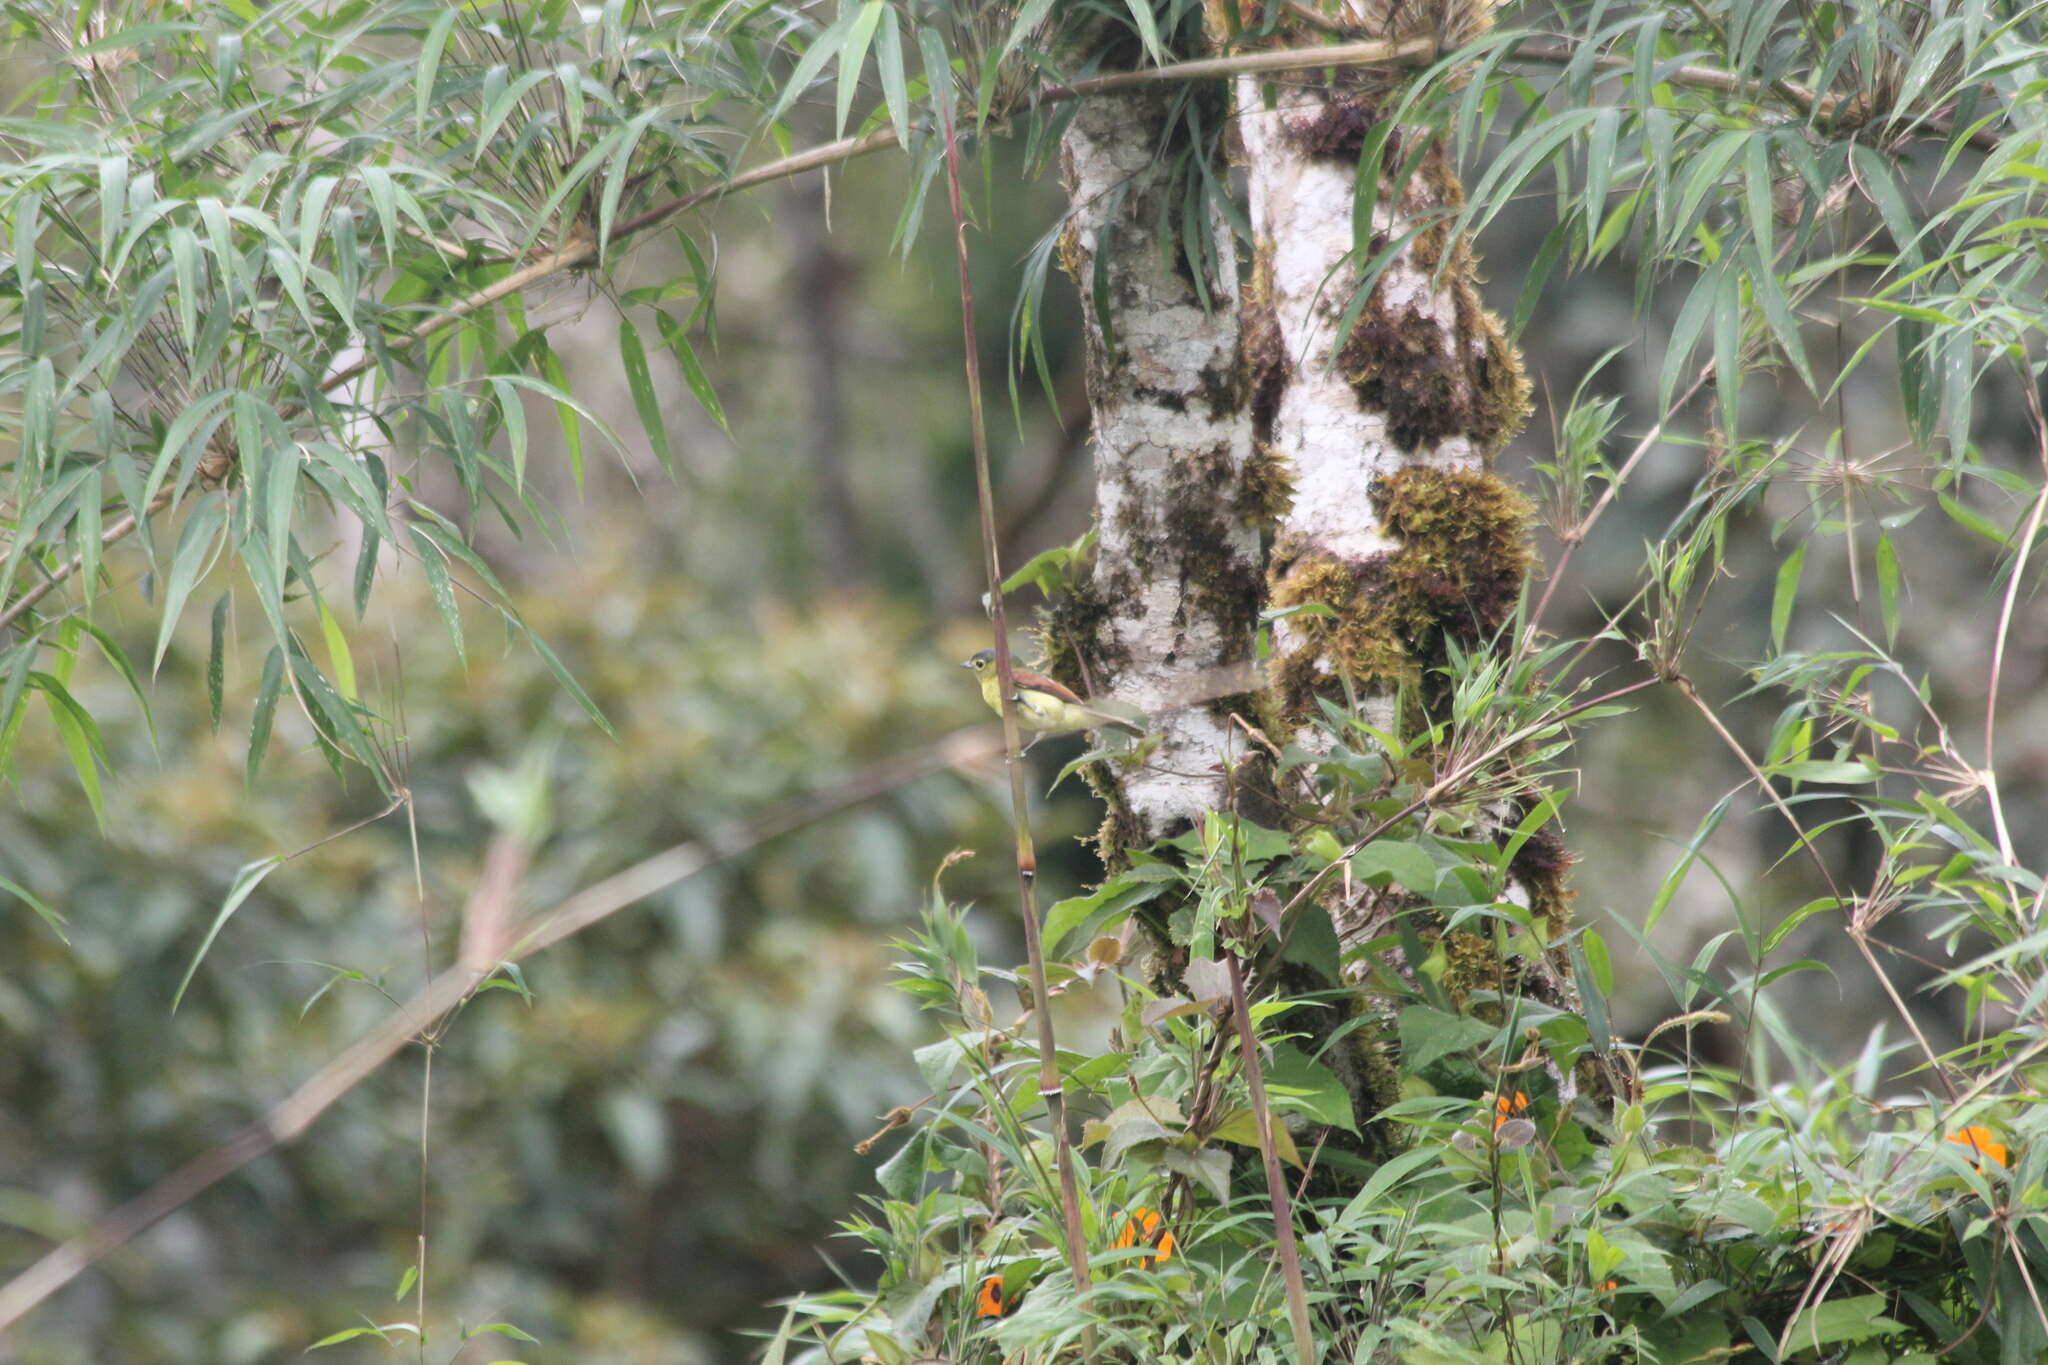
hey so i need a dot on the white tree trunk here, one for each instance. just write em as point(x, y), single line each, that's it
point(1175, 592)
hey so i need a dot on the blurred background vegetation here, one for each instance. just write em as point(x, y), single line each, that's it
point(635, 1162)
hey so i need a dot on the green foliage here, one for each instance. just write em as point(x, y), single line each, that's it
point(1521, 1211)
point(268, 334)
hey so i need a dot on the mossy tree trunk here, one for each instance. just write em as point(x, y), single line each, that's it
point(1257, 452)
point(1390, 425)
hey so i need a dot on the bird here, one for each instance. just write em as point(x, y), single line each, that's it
point(1049, 707)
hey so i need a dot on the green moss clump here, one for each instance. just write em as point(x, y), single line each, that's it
point(1361, 641)
point(1458, 572)
point(1464, 552)
point(1370, 1055)
point(1118, 833)
point(1473, 966)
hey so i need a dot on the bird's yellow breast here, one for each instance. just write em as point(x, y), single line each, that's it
point(1035, 710)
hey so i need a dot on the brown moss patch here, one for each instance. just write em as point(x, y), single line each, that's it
point(1402, 364)
point(1265, 350)
point(1431, 383)
point(1220, 575)
point(1072, 258)
point(1337, 128)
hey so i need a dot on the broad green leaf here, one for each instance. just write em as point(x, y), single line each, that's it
point(1430, 1034)
point(1302, 1085)
point(1841, 1320)
point(1103, 908)
point(1403, 862)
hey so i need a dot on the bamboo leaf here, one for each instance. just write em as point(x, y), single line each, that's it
point(246, 881)
point(196, 543)
point(438, 584)
point(562, 675)
point(853, 56)
point(889, 66)
point(35, 903)
point(216, 660)
point(677, 338)
point(822, 49)
point(81, 739)
point(267, 693)
point(429, 63)
point(1888, 584)
point(339, 657)
point(1785, 594)
point(645, 401)
point(617, 174)
point(566, 412)
point(76, 628)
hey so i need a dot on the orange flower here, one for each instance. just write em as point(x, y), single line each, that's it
point(989, 1301)
point(1505, 1108)
point(1980, 1140)
point(1609, 1286)
point(1142, 1224)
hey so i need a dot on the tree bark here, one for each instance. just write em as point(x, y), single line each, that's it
point(1167, 618)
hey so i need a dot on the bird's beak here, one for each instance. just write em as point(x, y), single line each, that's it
point(967, 663)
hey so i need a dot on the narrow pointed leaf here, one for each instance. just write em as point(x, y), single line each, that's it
point(246, 881)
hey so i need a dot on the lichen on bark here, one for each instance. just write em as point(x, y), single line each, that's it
point(1173, 600)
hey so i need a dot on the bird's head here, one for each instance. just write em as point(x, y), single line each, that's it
point(981, 662)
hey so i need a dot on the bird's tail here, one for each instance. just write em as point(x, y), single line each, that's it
point(1117, 723)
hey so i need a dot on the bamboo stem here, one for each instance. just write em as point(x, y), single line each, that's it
point(1050, 1085)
